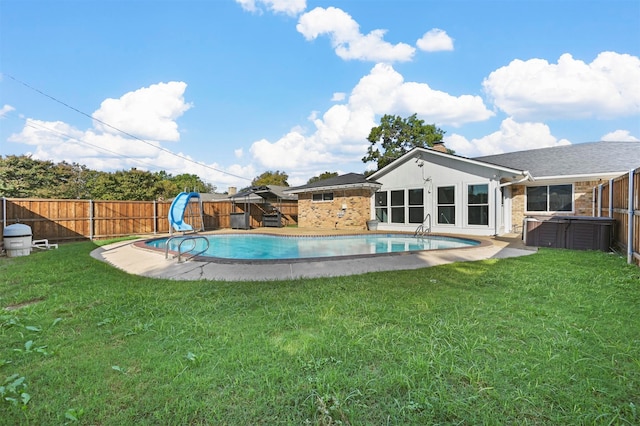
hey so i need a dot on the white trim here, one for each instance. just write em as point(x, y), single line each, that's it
point(409, 155)
point(583, 177)
point(371, 186)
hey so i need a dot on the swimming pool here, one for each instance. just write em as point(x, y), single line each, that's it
point(271, 247)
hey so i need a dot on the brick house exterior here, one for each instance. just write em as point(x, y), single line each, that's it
point(349, 209)
point(342, 202)
point(582, 199)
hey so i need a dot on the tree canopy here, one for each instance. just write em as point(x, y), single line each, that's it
point(322, 176)
point(271, 178)
point(24, 177)
point(396, 135)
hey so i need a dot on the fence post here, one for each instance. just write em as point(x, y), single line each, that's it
point(631, 213)
point(91, 220)
point(4, 212)
point(155, 217)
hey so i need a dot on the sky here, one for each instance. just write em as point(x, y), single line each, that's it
point(229, 89)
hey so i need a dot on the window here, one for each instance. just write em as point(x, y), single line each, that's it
point(382, 209)
point(397, 206)
point(552, 198)
point(322, 196)
point(446, 205)
point(416, 205)
point(478, 204)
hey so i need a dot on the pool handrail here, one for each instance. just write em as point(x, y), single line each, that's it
point(423, 230)
point(186, 238)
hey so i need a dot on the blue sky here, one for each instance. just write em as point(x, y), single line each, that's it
point(230, 89)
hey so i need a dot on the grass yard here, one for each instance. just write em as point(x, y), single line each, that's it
point(547, 339)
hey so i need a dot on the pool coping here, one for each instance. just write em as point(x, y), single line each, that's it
point(130, 257)
point(141, 244)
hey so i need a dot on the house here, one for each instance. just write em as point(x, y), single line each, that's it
point(341, 202)
point(447, 193)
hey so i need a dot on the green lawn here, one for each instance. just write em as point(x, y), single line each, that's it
point(547, 339)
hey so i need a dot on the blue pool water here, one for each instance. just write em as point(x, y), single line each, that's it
point(269, 247)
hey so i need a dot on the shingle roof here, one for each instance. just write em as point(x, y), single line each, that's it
point(349, 179)
point(265, 191)
point(589, 158)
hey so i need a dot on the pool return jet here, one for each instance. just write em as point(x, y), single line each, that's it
point(181, 207)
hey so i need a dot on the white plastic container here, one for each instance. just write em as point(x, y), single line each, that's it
point(17, 240)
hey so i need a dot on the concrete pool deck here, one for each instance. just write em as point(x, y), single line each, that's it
point(152, 263)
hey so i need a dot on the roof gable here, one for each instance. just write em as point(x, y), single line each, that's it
point(423, 153)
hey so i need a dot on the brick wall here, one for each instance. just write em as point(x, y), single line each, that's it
point(329, 214)
point(582, 201)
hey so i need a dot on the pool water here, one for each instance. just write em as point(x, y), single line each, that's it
point(266, 247)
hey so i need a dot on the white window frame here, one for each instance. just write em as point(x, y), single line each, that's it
point(467, 204)
point(322, 195)
point(454, 205)
point(547, 211)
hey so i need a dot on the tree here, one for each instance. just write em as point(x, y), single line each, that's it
point(191, 182)
point(396, 136)
point(23, 177)
point(322, 176)
point(271, 178)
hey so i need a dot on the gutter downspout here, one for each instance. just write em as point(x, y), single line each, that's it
point(527, 177)
point(611, 198)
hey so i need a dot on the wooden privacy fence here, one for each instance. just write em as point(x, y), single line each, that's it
point(619, 198)
point(65, 220)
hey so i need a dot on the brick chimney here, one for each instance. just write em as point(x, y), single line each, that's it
point(439, 146)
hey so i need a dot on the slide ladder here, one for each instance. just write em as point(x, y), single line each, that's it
point(176, 212)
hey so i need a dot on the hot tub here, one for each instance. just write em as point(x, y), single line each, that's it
point(571, 232)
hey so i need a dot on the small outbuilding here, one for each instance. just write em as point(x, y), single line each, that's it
point(341, 202)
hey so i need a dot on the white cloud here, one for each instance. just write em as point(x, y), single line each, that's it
point(346, 38)
point(608, 87)
point(340, 133)
point(385, 91)
point(620, 136)
point(512, 136)
point(102, 148)
point(239, 153)
point(338, 97)
point(435, 40)
point(288, 7)
point(147, 113)
point(6, 109)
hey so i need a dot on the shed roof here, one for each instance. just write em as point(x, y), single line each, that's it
point(267, 192)
point(581, 159)
point(349, 180)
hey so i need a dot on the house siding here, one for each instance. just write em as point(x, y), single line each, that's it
point(330, 215)
point(431, 172)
